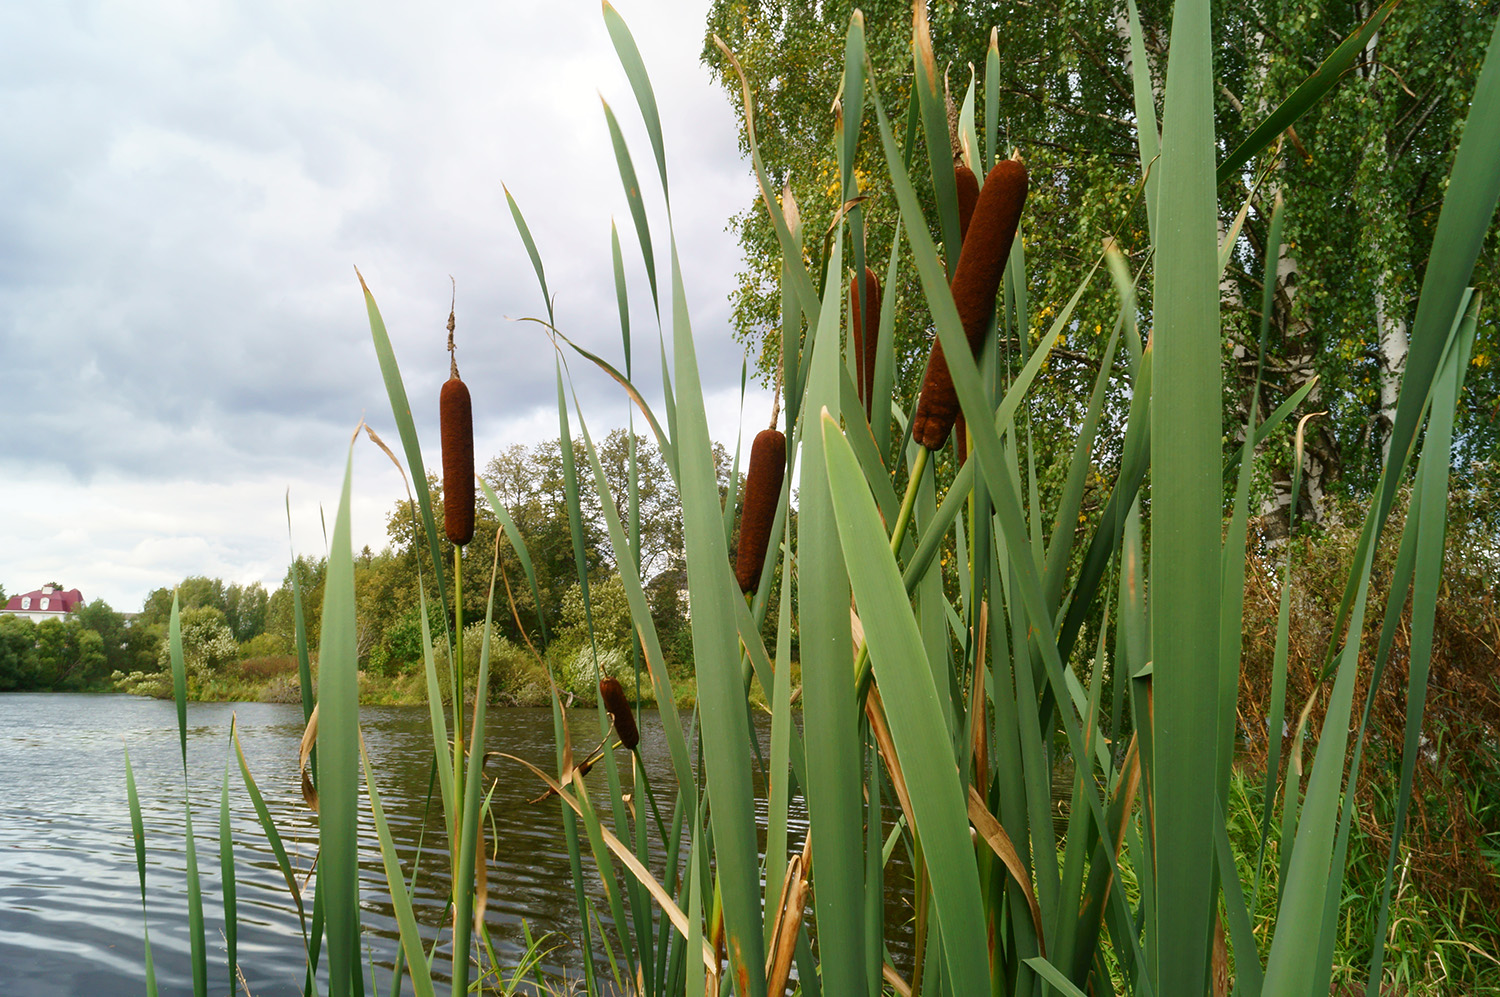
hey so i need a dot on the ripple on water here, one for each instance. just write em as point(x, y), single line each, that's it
point(70, 900)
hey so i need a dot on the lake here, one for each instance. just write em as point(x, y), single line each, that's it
point(70, 902)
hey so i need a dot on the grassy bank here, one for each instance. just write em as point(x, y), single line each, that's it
point(519, 681)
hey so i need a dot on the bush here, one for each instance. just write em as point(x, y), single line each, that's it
point(263, 669)
point(264, 645)
point(507, 661)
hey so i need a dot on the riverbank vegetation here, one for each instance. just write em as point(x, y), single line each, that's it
point(1072, 589)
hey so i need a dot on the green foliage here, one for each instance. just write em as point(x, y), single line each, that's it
point(61, 655)
point(1367, 163)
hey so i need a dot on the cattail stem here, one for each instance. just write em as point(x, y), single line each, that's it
point(458, 672)
point(640, 771)
point(909, 500)
point(898, 536)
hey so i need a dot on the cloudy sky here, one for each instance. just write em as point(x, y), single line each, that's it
point(186, 187)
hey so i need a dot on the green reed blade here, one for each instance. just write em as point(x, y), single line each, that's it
point(830, 726)
point(716, 661)
point(885, 355)
point(1147, 137)
point(847, 122)
point(517, 544)
point(1185, 579)
point(1064, 523)
point(531, 251)
point(1311, 90)
point(874, 926)
point(864, 449)
point(663, 440)
point(1008, 760)
point(640, 616)
point(438, 720)
point(1134, 462)
point(606, 867)
point(1071, 934)
point(575, 512)
point(728, 503)
point(196, 936)
point(1234, 561)
point(338, 767)
point(927, 87)
point(1036, 761)
point(1277, 713)
point(1054, 976)
point(987, 444)
point(640, 83)
point(696, 975)
point(570, 835)
point(138, 834)
point(791, 336)
point(778, 791)
point(932, 612)
point(1276, 418)
point(1468, 208)
point(1418, 527)
point(401, 413)
point(917, 728)
point(406, 920)
point(852, 100)
point(1305, 885)
point(966, 129)
point(991, 104)
point(1248, 975)
point(226, 871)
point(931, 540)
point(273, 837)
point(637, 209)
point(1430, 504)
point(622, 297)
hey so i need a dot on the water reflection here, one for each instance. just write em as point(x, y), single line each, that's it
point(70, 901)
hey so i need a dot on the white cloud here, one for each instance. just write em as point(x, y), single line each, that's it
point(186, 192)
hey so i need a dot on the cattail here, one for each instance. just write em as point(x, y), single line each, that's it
point(457, 425)
point(968, 196)
point(976, 280)
point(617, 705)
point(758, 506)
point(961, 439)
point(865, 324)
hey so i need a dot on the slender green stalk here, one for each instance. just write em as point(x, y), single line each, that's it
point(458, 670)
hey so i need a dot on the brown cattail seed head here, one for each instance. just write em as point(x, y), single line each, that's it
point(976, 280)
point(961, 439)
point(457, 427)
point(617, 705)
point(758, 507)
point(864, 321)
point(968, 196)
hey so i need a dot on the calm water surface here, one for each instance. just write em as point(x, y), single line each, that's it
point(70, 901)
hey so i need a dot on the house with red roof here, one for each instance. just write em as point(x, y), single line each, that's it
point(46, 603)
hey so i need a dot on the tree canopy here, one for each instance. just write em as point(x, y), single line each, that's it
point(1361, 174)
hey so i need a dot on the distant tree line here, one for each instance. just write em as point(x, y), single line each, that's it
point(233, 631)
